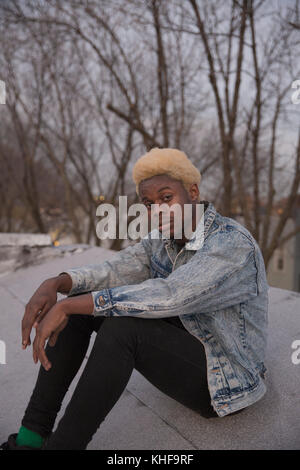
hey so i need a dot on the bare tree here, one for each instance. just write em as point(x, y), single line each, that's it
point(110, 80)
point(229, 66)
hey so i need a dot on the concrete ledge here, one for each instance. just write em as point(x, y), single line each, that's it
point(18, 255)
point(145, 418)
point(28, 239)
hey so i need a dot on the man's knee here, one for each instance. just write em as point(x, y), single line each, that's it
point(119, 324)
point(81, 323)
point(121, 330)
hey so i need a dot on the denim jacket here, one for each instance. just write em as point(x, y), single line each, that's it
point(216, 285)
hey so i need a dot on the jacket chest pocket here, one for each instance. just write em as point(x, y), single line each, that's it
point(157, 270)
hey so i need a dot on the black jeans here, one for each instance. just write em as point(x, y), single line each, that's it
point(162, 350)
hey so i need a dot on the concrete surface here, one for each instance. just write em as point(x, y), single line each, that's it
point(28, 239)
point(145, 418)
point(26, 253)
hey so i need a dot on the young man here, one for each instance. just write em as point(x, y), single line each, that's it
point(189, 314)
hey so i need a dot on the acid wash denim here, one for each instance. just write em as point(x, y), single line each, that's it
point(218, 288)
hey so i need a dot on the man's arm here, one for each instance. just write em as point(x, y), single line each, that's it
point(129, 266)
point(41, 302)
point(63, 283)
point(221, 274)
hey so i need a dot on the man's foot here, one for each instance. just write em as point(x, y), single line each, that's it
point(12, 445)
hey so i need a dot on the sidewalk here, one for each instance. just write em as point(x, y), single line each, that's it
point(144, 418)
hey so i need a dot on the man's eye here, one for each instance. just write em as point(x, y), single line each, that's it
point(165, 199)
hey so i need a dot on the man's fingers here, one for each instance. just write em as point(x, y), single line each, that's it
point(34, 348)
point(34, 355)
point(29, 319)
point(26, 330)
point(40, 315)
point(27, 323)
point(53, 338)
point(39, 350)
point(55, 334)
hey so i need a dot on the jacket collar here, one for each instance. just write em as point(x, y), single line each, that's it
point(198, 236)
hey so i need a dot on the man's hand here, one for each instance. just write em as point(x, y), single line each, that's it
point(41, 302)
point(48, 328)
point(55, 321)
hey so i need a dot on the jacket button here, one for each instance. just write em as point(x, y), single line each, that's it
point(101, 300)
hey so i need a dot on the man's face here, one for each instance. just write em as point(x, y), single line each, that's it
point(162, 189)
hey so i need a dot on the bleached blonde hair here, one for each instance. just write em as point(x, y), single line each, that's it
point(166, 161)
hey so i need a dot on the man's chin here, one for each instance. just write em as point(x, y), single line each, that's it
point(167, 234)
point(164, 234)
point(171, 232)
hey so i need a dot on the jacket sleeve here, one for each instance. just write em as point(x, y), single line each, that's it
point(220, 274)
point(129, 266)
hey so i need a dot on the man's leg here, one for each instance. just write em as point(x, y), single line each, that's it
point(169, 357)
point(177, 367)
point(51, 386)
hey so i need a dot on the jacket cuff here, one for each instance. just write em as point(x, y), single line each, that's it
point(102, 302)
point(77, 281)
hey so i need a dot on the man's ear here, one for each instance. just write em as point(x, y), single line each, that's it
point(194, 192)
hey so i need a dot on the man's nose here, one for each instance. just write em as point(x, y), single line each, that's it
point(159, 208)
point(155, 209)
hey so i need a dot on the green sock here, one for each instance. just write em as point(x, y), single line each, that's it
point(29, 438)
